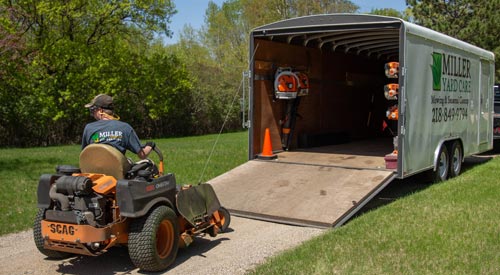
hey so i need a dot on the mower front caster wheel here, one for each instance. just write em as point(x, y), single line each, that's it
point(225, 219)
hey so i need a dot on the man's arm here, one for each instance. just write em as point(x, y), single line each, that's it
point(134, 145)
point(145, 151)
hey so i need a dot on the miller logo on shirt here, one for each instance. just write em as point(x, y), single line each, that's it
point(99, 137)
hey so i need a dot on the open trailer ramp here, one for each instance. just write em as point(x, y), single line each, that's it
point(298, 193)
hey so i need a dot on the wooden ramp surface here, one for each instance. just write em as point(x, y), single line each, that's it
point(309, 194)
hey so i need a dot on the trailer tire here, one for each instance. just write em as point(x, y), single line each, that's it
point(442, 169)
point(154, 239)
point(39, 241)
point(456, 156)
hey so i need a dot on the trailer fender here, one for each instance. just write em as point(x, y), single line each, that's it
point(444, 142)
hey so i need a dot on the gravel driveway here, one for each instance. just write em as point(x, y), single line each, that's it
point(247, 244)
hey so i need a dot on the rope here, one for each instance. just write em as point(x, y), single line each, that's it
point(225, 120)
point(220, 132)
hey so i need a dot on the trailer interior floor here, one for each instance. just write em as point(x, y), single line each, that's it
point(368, 153)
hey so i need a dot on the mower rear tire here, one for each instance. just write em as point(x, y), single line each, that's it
point(37, 236)
point(153, 240)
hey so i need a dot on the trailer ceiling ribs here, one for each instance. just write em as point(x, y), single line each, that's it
point(374, 38)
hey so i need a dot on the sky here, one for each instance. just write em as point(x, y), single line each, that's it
point(192, 12)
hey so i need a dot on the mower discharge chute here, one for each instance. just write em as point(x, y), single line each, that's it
point(108, 202)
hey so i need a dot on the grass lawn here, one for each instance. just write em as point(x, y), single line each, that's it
point(20, 169)
point(449, 228)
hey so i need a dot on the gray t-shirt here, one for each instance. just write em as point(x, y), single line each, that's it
point(116, 133)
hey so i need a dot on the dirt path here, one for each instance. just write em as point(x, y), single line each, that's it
point(247, 244)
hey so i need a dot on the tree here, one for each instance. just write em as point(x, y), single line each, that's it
point(392, 12)
point(447, 16)
point(73, 50)
point(210, 100)
point(227, 27)
point(218, 54)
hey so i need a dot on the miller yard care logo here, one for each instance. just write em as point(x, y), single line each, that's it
point(95, 138)
point(452, 84)
point(437, 61)
point(450, 73)
point(98, 137)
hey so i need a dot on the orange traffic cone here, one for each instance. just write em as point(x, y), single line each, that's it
point(267, 148)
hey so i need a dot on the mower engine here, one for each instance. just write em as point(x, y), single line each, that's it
point(77, 203)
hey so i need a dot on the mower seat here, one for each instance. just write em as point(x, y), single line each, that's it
point(103, 159)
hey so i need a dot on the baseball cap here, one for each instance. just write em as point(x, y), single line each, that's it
point(102, 101)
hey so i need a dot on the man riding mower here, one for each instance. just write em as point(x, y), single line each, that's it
point(108, 202)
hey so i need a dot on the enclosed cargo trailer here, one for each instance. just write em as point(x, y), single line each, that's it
point(382, 99)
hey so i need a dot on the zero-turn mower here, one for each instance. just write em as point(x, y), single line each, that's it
point(108, 202)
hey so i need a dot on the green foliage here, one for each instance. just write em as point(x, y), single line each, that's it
point(74, 50)
point(263, 12)
point(391, 12)
point(56, 55)
point(161, 90)
point(217, 55)
point(450, 16)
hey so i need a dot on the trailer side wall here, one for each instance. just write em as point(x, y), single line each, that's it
point(447, 97)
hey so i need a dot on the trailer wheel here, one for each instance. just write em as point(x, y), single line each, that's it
point(153, 240)
point(441, 171)
point(37, 236)
point(457, 154)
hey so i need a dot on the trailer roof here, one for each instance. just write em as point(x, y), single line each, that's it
point(360, 34)
point(323, 21)
point(364, 34)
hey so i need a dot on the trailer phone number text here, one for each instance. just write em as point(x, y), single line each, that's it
point(440, 114)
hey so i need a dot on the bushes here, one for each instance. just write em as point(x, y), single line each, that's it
point(50, 68)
